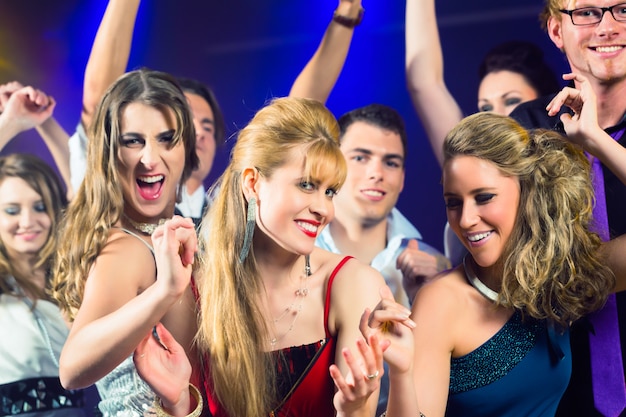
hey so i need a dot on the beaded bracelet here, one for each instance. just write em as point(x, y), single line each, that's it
point(195, 393)
point(346, 21)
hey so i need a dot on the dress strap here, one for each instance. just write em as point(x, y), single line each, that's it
point(128, 232)
point(328, 288)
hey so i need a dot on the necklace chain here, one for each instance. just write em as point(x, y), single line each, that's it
point(473, 279)
point(147, 228)
point(300, 294)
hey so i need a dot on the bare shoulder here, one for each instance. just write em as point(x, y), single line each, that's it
point(447, 293)
point(125, 259)
point(355, 287)
point(122, 270)
point(349, 272)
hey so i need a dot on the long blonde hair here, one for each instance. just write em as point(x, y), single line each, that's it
point(41, 178)
point(232, 330)
point(99, 202)
point(552, 268)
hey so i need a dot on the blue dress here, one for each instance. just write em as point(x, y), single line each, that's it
point(522, 370)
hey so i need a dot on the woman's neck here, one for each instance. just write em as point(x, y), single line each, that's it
point(25, 266)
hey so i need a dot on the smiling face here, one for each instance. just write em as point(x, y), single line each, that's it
point(375, 158)
point(204, 123)
point(150, 166)
point(24, 222)
point(292, 210)
point(500, 92)
point(481, 205)
point(595, 51)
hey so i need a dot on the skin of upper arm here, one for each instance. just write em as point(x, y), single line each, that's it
point(355, 288)
point(435, 312)
point(122, 270)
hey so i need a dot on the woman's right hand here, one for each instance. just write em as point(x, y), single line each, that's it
point(175, 245)
point(391, 321)
point(163, 364)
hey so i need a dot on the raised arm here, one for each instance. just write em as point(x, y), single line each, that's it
point(56, 139)
point(23, 108)
point(109, 54)
point(437, 109)
point(107, 62)
point(320, 74)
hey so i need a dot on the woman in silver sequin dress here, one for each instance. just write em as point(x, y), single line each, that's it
point(141, 150)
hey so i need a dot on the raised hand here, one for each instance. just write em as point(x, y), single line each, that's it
point(25, 107)
point(349, 8)
point(581, 127)
point(418, 267)
point(6, 90)
point(363, 377)
point(175, 244)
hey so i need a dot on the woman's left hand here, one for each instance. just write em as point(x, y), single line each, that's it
point(175, 244)
point(163, 364)
point(363, 377)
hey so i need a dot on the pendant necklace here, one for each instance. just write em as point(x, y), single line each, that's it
point(484, 290)
point(146, 228)
point(300, 294)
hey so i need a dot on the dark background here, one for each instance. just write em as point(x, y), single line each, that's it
point(250, 51)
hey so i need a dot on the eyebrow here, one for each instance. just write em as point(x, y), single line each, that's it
point(128, 135)
point(385, 156)
point(206, 120)
point(501, 96)
point(473, 192)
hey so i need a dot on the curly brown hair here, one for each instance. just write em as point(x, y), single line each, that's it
point(552, 266)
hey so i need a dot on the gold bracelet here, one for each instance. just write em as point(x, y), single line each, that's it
point(195, 393)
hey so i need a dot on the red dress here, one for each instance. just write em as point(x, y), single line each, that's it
point(304, 382)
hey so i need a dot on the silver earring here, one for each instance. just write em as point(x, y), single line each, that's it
point(250, 223)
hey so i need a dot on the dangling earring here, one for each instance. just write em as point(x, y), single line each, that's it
point(250, 223)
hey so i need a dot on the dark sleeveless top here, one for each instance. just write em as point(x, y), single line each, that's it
point(304, 382)
point(522, 370)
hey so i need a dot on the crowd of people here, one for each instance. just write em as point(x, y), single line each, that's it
point(293, 286)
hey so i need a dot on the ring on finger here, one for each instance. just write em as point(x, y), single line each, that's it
point(372, 376)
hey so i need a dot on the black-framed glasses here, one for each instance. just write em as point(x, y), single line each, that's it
point(593, 15)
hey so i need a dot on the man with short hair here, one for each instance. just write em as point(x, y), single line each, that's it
point(593, 37)
point(367, 225)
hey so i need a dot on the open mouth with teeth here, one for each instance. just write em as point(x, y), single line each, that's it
point(150, 187)
point(607, 49)
point(478, 237)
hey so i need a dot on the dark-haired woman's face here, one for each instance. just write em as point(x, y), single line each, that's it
point(500, 92)
point(24, 221)
point(150, 164)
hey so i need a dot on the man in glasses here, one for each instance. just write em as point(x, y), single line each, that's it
point(592, 35)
